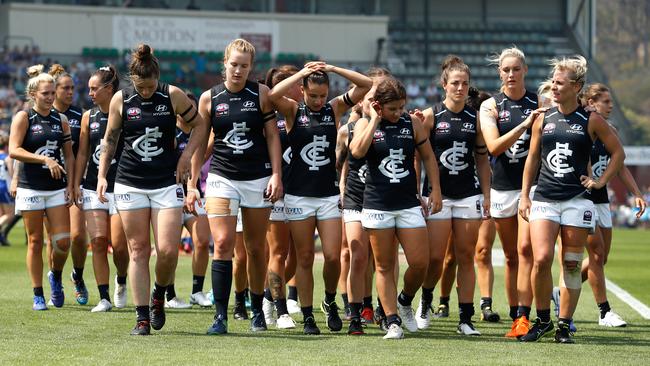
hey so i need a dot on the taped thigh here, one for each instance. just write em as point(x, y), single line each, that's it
point(219, 206)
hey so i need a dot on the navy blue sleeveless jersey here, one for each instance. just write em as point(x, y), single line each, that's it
point(240, 151)
point(44, 136)
point(508, 168)
point(355, 181)
point(97, 123)
point(148, 159)
point(313, 153)
point(566, 148)
point(390, 182)
point(599, 161)
point(74, 114)
point(453, 138)
point(182, 139)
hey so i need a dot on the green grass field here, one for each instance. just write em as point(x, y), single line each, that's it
point(73, 334)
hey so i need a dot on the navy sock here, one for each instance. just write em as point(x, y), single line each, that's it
point(158, 291)
point(267, 294)
point(344, 297)
point(513, 312)
point(465, 311)
point(281, 306)
point(293, 293)
point(142, 312)
point(427, 295)
point(221, 285)
point(355, 310)
point(256, 302)
point(57, 274)
point(171, 292)
point(486, 302)
point(604, 308)
point(367, 302)
point(197, 283)
point(444, 300)
point(78, 274)
point(240, 296)
point(307, 311)
point(38, 291)
point(523, 311)
point(404, 299)
point(393, 319)
point(330, 297)
point(121, 280)
point(103, 292)
point(544, 315)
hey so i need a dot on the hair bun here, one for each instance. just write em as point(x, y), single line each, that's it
point(450, 61)
point(35, 70)
point(56, 70)
point(473, 92)
point(143, 52)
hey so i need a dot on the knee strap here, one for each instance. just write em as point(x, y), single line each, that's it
point(571, 279)
point(55, 241)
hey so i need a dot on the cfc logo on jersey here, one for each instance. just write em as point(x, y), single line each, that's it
point(392, 166)
point(145, 145)
point(557, 159)
point(312, 153)
point(453, 158)
point(236, 138)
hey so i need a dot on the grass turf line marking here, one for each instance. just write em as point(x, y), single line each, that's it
point(627, 298)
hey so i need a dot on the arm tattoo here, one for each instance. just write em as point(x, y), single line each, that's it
point(275, 285)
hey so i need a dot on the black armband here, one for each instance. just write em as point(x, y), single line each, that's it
point(347, 100)
point(268, 116)
point(67, 138)
point(196, 112)
point(421, 142)
point(187, 110)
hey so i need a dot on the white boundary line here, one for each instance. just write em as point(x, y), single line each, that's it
point(627, 298)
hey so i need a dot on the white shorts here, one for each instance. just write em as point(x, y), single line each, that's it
point(33, 200)
point(578, 212)
point(504, 204)
point(248, 193)
point(603, 215)
point(240, 224)
point(200, 210)
point(464, 208)
point(92, 202)
point(409, 218)
point(300, 208)
point(130, 198)
point(277, 213)
point(352, 215)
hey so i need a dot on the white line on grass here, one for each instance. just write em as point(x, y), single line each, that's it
point(626, 297)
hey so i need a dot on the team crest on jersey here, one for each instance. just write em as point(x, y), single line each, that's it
point(442, 127)
point(222, 109)
point(504, 116)
point(37, 129)
point(94, 126)
point(133, 114)
point(378, 135)
point(303, 121)
point(549, 128)
point(468, 127)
